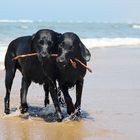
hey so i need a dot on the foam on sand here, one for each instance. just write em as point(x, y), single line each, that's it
point(2, 56)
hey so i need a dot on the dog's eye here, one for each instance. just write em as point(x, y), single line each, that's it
point(61, 44)
point(70, 47)
point(49, 43)
point(41, 42)
point(59, 50)
point(49, 49)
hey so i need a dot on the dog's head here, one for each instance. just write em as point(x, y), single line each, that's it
point(71, 47)
point(44, 42)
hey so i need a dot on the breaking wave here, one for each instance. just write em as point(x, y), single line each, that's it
point(89, 43)
point(110, 42)
point(16, 21)
point(136, 26)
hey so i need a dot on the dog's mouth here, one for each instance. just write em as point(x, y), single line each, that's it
point(44, 54)
point(73, 63)
point(62, 66)
point(66, 64)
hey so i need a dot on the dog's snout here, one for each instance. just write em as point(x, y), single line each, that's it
point(43, 54)
point(60, 60)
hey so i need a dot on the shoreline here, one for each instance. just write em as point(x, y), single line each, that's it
point(87, 43)
point(110, 102)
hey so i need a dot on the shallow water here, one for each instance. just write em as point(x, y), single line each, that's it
point(40, 123)
point(16, 128)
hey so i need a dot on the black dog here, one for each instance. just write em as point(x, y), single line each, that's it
point(71, 48)
point(31, 67)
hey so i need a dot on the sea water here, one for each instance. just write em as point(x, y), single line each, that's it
point(92, 34)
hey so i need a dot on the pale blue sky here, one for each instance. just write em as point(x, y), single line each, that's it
point(72, 10)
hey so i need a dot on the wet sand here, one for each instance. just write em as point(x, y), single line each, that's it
point(110, 103)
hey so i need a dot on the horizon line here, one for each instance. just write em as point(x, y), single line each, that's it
point(24, 20)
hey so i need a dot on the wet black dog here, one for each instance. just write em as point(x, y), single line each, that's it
point(71, 48)
point(44, 43)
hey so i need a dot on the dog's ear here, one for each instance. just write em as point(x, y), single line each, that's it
point(32, 37)
point(84, 51)
point(31, 42)
point(59, 35)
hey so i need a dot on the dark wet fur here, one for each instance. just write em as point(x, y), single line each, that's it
point(31, 67)
point(71, 47)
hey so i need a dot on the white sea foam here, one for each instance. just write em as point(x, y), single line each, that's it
point(2, 56)
point(89, 43)
point(16, 21)
point(110, 42)
point(136, 26)
point(24, 27)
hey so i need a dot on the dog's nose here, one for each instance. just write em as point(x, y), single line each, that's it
point(43, 54)
point(60, 60)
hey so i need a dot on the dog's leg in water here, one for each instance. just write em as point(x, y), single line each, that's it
point(60, 98)
point(23, 94)
point(46, 89)
point(68, 100)
point(76, 114)
point(79, 88)
point(53, 92)
point(10, 73)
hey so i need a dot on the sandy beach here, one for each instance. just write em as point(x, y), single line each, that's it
point(110, 103)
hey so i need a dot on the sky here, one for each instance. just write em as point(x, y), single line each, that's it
point(72, 10)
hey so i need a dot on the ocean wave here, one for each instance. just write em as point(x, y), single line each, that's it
point(16, 21)
point(110, 42)
point(136, 26)
point(89, 43)
point(24, 27)
point(2, 55)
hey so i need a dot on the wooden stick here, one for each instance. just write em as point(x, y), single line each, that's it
point(32, 54)
point(24, 55)
point(83, 65)
point(55, 55)
point(73, 63)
